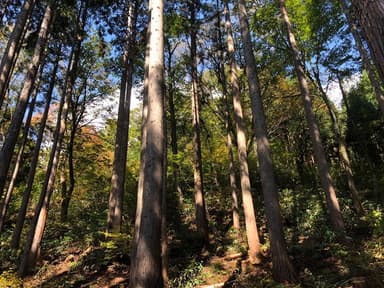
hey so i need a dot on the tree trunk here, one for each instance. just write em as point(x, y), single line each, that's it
point(6, 84)
point(32, 170)
point(17, 119)
point(35, 235)
point(67, 190)
point(64, 186)
point(14, 42)
point(228, 127)
point(77, 108)
point(232, 178)
point(249, 211)
point(322, 165)
point(343, 93)
point(282, 268)
point(364, 57)
point(343, 152)
point(121, 145)
point(146, 247)
point(19, 157)
point(32, 247)
point(369, 14)
point(200, 209)
point(172, 120)
point(164, 230)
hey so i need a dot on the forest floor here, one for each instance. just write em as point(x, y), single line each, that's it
point(105, 263)
point(78, 254)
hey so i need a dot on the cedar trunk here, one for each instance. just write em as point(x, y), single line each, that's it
point(321, 161)
point(17, 119)
point(343, 152)
point(172, 119)
point(282, 268)
point(364, 57)
point(19, 158)
point(200, 209)
point(164, 230)
point(32, 246)
point(249, 211)
point(115, 203)
point(228, 126)
point(9, 57)
point(369, 14)
point(32, 170)
point(35, 235)
point(146, 247)
point(66, 194)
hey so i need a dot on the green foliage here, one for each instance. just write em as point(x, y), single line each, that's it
point(187, 277)
point(305, 210)
point(375, 219)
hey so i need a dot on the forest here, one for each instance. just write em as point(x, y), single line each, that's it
point(196, 143)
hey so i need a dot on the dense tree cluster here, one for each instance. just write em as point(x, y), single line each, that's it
point(238, 133)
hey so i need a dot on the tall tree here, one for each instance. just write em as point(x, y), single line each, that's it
point(86, 91)
point(121, 144)
point(14, 42)
point(370, 15)
point(35, 235)
point(364, 56)
point(170, 95)
point(321, 161)
point(228, 118)
point(343, 152)
point(77, 108)
point(34, 161)
point(200, 209)
point(19, 158)
point(17, 119)
point(146, 248)
point(164, 229)
point(282, 268)
point(249, 211)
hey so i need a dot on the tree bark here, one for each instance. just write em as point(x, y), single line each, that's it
point(343, 93)
point(77, 108)
point(369, 14)
point(164, 230)
point(115, 203)
point(228, 127)
point(139, 205)
point(67, 191)
point(17, 119)
point(32, 170)
point(343, 152)
point(146, 255)
point(282, 268)
point(321, 161)
point(32, 247)
point(249, 210)
point(19, 157)
point(35, 235)
point(364, 57)
point(8, 80)
point(200, 209)
point(14, 42)
point(172, 119)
